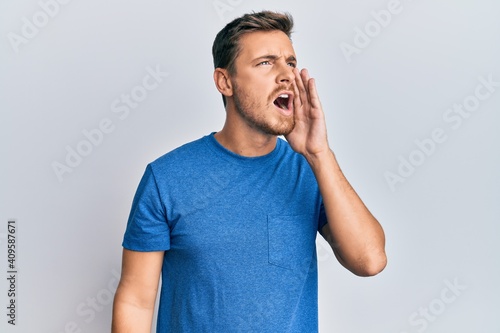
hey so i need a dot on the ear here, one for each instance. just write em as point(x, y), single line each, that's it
point(223, 82)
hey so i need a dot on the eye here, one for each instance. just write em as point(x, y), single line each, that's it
point(292, 64)
point(264, 63)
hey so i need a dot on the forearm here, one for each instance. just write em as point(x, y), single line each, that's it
point(129, 316)
point(353, 232)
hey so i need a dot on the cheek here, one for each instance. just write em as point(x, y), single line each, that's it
point(251, 96)
point(253, 90)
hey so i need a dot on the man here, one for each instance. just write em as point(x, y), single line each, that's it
point(229, 221)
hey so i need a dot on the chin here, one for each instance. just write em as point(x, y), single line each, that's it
point(284, 128)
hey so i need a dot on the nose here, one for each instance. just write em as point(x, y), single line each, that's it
point(285, 73)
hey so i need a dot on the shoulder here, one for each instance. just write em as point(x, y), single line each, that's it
point(185, 154)
point(180, 162)
point(290, 155)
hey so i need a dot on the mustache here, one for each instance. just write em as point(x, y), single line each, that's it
point(280, 89)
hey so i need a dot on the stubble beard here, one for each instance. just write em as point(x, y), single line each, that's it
point(244, 107)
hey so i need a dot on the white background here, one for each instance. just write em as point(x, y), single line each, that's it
point(441, 221)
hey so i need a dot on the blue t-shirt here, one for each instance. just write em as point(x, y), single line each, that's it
point(238, 235)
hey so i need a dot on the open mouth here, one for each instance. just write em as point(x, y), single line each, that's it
point(283, 101)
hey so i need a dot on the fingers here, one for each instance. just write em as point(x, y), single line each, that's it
point(298, 88)
point(310, 93)
point(306, 94)
point(313, 94)
point(297, 102)
point(301, 83)
point(301, 100)
point(304, 75)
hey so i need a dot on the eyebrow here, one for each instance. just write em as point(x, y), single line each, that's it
point(274, 57)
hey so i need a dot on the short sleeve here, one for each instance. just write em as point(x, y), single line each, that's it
point(147, 227)
point(322, 221)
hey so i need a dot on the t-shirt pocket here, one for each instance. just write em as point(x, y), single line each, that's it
point(291, 240)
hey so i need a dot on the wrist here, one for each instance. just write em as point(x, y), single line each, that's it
point(320, 159)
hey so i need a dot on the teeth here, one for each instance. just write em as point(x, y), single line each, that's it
point(282, 101)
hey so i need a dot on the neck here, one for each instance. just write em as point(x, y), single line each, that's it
point(238, 137)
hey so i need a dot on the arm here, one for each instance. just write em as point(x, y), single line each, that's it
point(135, 297)
point(356, 237)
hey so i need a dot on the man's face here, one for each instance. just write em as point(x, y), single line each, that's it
point(263, 82)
